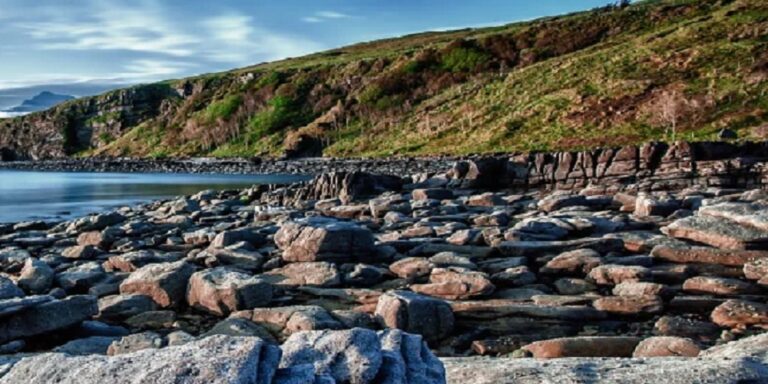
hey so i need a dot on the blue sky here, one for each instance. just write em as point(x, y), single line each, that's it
point(83, 45)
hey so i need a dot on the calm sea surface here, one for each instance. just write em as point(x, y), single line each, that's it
point(62, 195)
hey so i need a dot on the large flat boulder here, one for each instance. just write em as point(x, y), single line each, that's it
point(324, 240)
point(213, 360)
point(432, 318)
point(718, 232)
point(742, 361)
point(221, 291)
point(165, 283)
point(47, 317)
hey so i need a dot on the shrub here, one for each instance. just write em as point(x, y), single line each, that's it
point(464, 59)
point(222, 109)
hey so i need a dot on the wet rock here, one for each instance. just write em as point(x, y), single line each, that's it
point(585, 346)
point(165, 283)
point(455, 284)
point(662, 346)
point(414, 313)
point(222, 290)
point(324, 241)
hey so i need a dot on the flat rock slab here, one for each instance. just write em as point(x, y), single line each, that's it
point(536, 248)
point(718, 232)
point(706, 255)
point(48, 317)
point(213, 360)
point(492, 309)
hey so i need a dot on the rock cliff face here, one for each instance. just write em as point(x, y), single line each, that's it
point(80, 124)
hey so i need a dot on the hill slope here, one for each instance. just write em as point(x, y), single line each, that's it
point(664, 69)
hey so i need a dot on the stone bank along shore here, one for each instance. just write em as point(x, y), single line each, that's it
point(640, 264)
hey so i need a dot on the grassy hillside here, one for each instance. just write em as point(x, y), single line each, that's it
point(656, 70)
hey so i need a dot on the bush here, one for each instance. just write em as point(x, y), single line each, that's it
point(464, 59)
point(222, 109)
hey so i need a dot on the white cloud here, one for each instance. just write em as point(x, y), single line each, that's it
point(322, 16)
point(332, 15)
point(148, 69)
point(237, 39)
point(144, 28)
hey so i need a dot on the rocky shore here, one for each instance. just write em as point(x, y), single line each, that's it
point(357, 277)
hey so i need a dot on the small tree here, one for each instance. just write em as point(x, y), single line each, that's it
point(672, 106)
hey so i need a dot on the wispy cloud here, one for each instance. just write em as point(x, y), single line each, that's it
point(323, 16)
point(113, 27)
point(153, 41)
point(238, 38)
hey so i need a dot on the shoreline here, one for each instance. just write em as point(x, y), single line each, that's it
point(238, 166)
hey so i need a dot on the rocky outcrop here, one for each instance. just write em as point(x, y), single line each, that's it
point(71, 127)
point(355, 356)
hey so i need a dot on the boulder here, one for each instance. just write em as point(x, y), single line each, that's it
point(584, 346)
point(630, 305)
point(423, 315)
point(718, 286)
point(47, 317)
point(222, 290)
point(118, 307)
point(231, 237)
point(684, 327)
point(213, 360)
point(432, 194)
point(662, 346)
point(646, 205)
point(321, 240)
point(135, 342)
point(580, 262)
point(36, 276)
point(406, 359)
point(8, 289)
point(741, 361)
point(718, 232)
point(351, 356)
point(291, 319)
point(94, 345)
point(165, 283)
point(319, 274)
point(707, 255)
point(411, 268)
point(633, 288)
point(611, 274)
point(239, 327)
point(455, 284)
point(740, 313)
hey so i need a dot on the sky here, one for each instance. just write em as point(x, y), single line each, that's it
point(83, 47)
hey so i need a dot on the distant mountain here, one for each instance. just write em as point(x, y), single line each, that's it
point(40, 102)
